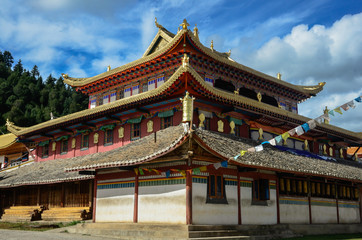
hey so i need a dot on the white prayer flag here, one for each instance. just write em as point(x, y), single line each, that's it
point(299, 130)
point(272, 142)
point(217, 165)
point(259, 148)
point(312, 124)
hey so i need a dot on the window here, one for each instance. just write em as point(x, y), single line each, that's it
point(106, 99)
point(209, 80)
point(145, 87)
point(166, 122)
point(108, 137)
point(85, 141)
point(136, 131)
point(261, 190)
point(321, 149)
point(135, 90)
point(207, 123)
point(64, 147)
point(45, 151)
point(237, 130)
point(92, 103)
point(216, 189)
point(113, 97)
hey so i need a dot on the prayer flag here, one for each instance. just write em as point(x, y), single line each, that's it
point(163, 174)
point(135, 171)
point(351, 104)
point(285, 136)
point(242, 153)
point(312, 124)
point(272, 142)
point(331, 112)
point(319, 119)
point(141, 171)
point(168, 172)
point(291, 132)
point(196, 171)
point(305, 126)
point(224, 163)
point(259, 148)
point(182, 172)
point(265, 142)
point(203, 168)
point(278, 139)
point(236, 157)
point(217, 165)
point(345, 107)
point(326, 117)
point(359, 99)
point(338, 110)
point(251, 149)
point(156, 171)
point(299, 130)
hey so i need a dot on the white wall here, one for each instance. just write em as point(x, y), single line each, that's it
point(115, 205)
point(321, 213)
point(210, 213)
point(162, 204)
point(349, 212)
point(294, 210)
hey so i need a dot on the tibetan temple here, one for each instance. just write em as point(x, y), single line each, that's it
point(158, 144)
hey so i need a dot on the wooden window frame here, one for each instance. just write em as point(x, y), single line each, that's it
point(166, 122)
point(45, 151)
point(84, 139)
point(64, 146)
point(257, 187)
point(135, 131)
point(108, 137)
point(207, 125)
point(216, 189)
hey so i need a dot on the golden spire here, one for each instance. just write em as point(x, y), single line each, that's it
point(196, 32)
point(184, 24)
point(187, 107)
point(65, 76)
point(212, 45)
point(158, 25)
point(325, 111)
point(279, 76)
point(109, 68)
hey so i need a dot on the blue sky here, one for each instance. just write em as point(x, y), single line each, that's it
point(307, 41)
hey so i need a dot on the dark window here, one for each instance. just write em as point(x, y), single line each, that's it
point(261, 190)
point(85, 141)
point(166, 122)
point(271, 101)
point(237, 130)
point(207, 123)
point(248, 93)
point(145, 87)
point(45, 151)
point(227, 86)
point(216, 189)
point(136, 131)
point(64, 147)
point(108, 137)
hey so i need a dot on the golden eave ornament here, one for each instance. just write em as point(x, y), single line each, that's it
point(187, 107)
point(184, 24)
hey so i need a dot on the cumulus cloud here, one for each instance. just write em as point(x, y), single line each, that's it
point(307, 56)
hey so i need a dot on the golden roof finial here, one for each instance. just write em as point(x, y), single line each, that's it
point(109, 68)
point(279, 76)
point(8, 123)
point(184, 24)
point(158, 25)
point(212, 45)
point(229, 53)
point(65, 76)
point(326, 111)
point(196, 32)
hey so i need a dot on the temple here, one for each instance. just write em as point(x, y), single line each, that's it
point(159, 139)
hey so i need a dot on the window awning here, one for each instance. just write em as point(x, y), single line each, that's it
point(42, 144)
point(168, 113)
point(62, 138)
point(236, 121)
point(135, 120)
point(107, 127)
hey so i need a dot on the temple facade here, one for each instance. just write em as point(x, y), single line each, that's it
point(160, 141)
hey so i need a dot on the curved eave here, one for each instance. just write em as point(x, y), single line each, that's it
point(7, 140)
point(163, 33)
point(78, 82)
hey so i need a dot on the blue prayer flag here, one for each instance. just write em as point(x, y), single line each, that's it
point(168, 173)
point(305, 126)
point(224, 163)
point(278, 139)
point(359, 99)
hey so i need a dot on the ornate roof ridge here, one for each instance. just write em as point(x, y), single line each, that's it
point(185, 67)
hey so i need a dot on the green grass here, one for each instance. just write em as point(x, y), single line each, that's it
point(357, 236)
point(34, 226)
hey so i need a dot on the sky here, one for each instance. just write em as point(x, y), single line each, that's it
point(307, 41)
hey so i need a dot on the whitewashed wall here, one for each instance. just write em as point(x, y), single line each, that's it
point(211, 213)
point(162, 203)
point(349, 212)
point(324, 210)
point(255, 214)
point(114, 204)
point(294, 210)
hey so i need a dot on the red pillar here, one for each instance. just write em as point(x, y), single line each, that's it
point(94, 198)
point(309, 201)
point(188, 197)
point(135, 210)
point(360, 204)
point(239, 197)
point(277, 192)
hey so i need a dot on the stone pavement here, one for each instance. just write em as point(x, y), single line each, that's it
point(33, 235)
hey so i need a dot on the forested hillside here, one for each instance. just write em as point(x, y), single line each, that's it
point(26, 99)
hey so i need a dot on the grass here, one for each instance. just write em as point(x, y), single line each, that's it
point(357, 236)
point(34, 226)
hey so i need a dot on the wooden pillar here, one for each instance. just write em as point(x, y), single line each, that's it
point(94, 199)
point(188, 197)
point(14, 195)
point(90, 195)
point(277, 195)
point(360, 204)
point(38, 197)
point(135, 206)
point(337, 207)
point(309, 201)
point(239, 199)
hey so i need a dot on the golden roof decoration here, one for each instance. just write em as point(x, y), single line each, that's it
point(184, 24)
point(221, 57)
point(238, 99)
point(196, 32)
point(212, 45)
point(157, 24)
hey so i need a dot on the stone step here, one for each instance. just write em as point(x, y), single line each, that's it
point(139, 226)
point(215, 233)
point(227, 237)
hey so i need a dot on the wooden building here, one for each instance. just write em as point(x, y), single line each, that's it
point(155, 158)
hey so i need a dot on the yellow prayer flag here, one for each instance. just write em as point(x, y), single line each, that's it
point(338, 110)
point(285, 136)
point(203, 168)
point(135, 171)
point(242, 152)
